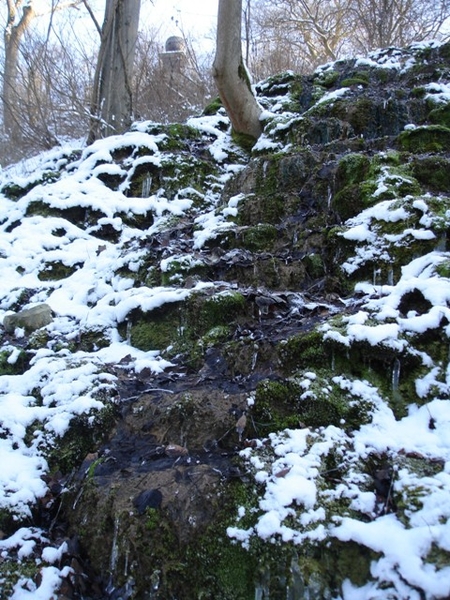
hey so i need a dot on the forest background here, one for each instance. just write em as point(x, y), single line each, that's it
point(48, 98)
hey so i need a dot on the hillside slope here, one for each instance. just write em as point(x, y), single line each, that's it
point(236, 383)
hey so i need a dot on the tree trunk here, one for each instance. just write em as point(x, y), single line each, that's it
point(10, 98)
point(230, 74)
point(111, 108)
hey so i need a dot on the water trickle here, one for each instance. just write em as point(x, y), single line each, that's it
point(295, 588)
point(262, 587)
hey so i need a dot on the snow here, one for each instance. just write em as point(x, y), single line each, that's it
point(290, 468)
point(92, 297)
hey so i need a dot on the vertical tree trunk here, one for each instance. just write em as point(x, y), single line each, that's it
point(230, 73)
point(12, 36)
point(111, 107)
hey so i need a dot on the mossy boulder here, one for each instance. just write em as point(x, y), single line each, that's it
point(430, 138)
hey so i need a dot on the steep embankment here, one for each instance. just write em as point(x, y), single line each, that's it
point(186, 284)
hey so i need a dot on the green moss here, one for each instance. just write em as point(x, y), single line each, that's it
point(18, 367)
point(328, 79)
point(204, 313)
point(357, 79)
point(153, 519)
point(92, 339)
point(56, 270)
point(213, 107)
point(259, 238)
point(14, 191)
point(14, 570)
point(179, 269)
point(85, 434)
point(440, 115)
point(432, 138)
point(443, 268)
point(153, 330)
point(432, 172)
point(243, 140)
point(305, 350)
point(352, 171)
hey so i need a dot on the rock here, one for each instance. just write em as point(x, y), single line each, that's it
point(147, 499)
point(29, 319)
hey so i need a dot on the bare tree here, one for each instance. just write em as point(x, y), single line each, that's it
point(301, 34)
point(230, 73)
point(381, 23)
point(111, 107)
point(169, 86)
point(19, 19)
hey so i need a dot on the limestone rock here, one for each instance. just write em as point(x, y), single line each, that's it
point(30, 319)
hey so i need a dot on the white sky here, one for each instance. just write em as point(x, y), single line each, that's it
point(195, 18)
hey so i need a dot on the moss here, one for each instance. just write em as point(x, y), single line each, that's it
point(14, 570)
point(352, 170)
point(243, 140)
point(179, 136)
point(305, 350)
point(443, 268)
point(357, 79)
point(78, 215)
point(57, 270)
point(432, 172)
point(204, 313)
point(432, 138)
point(85, 434)
point(153, 330)
point(18, 367)
point(440, 115)
point(92, 339)
point(213, 107)
point(14, 191)
point(275, 407)
point(179, 270)
point(259, 238)
point(328, 79)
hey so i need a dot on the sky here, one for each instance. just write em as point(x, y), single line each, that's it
point(194, 18)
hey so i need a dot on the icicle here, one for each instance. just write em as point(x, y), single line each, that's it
point(376, 273)
point(114, 550)
point(395, 375)
point(146, 185)
point(390, 276)
point(254, 359)
point(129, 333)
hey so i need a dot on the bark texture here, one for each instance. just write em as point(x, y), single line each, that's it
point(112, 106)
point(230, 73)
point(13, 34)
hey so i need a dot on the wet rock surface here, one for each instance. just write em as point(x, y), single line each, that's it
point(146, 513)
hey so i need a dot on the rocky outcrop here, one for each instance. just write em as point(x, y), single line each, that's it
point(347, 186)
